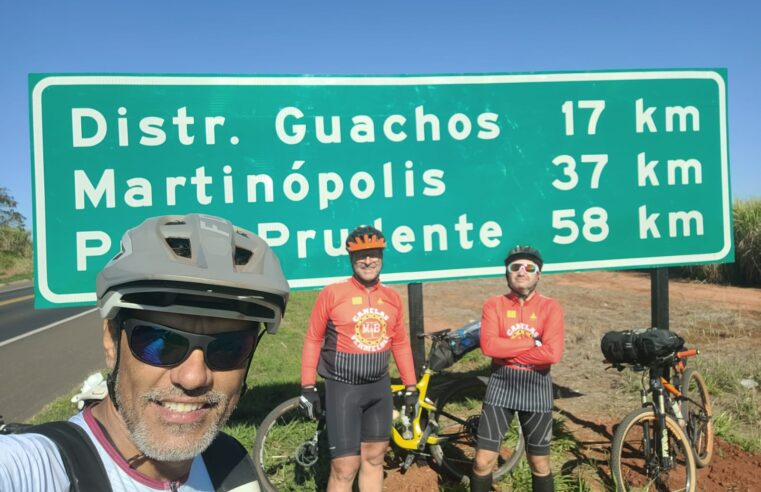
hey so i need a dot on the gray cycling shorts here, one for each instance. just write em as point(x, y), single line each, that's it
point(536, 427)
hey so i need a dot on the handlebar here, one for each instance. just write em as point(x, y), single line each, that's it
point(671, 359)
point(435, 334)
point(687, 353)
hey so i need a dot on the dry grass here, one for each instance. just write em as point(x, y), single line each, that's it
point(746, 269)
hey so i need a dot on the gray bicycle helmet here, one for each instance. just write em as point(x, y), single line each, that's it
point(194, 264)
point(524, 253)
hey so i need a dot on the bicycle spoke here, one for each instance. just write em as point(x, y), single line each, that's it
point(285, 452)
point(458, 413)
point(696, 411)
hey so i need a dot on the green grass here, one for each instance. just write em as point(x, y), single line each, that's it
point(736, 409)
point(14, 267)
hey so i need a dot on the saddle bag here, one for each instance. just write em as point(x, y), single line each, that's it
point(455, 345)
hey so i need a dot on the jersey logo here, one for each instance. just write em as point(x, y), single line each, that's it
point(380, 301)
point(356, 300)
point(370, 330)
point(511, 313)
point(533, 316)
point(521, 330)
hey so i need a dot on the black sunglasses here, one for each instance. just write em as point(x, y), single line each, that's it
point(162, 346)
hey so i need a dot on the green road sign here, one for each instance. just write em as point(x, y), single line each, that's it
point(601, 170)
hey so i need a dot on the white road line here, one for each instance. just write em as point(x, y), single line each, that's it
point(51, 325)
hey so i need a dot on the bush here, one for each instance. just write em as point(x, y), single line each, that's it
point(15, 242)
point(747, 222)
point(746, 270)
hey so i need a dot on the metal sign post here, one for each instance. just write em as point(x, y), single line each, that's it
point(659, 297)
point(417, 324)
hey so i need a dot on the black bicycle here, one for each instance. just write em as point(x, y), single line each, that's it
point(659, 446)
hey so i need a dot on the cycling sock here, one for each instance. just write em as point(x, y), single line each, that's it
point(480, 483)
point(542, 483)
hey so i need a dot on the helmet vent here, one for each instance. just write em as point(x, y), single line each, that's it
point(175, 222)
point(242, 256)
point(180, 246)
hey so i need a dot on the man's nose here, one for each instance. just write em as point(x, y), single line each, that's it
point(193, 373)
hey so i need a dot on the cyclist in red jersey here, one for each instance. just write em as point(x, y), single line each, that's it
point(522, 331)
point(354, 327)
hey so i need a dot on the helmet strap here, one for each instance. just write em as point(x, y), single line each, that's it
point(244, 386)
point(111, 378)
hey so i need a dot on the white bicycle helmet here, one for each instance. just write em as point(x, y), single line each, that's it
point(194, 264)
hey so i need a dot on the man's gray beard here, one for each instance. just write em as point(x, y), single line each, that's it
point(144, 441)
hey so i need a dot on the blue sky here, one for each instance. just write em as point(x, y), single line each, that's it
point(390, 37)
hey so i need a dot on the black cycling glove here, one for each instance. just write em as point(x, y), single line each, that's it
point(410, 402)
point(309, 403)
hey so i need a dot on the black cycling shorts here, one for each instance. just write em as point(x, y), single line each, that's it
point(357, 413)
point(536, 427)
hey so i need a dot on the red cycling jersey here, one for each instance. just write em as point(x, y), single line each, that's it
point(352, 331)
point(508, 328)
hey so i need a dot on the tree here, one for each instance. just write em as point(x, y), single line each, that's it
point(9, 216)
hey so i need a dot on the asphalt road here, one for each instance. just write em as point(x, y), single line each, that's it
point(44, 353)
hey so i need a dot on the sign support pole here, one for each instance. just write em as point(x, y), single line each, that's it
point(659, 297)
point(415, 303)
point(659, 308)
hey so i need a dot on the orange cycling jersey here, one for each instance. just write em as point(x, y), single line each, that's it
point(352, 331)
point(508, 329)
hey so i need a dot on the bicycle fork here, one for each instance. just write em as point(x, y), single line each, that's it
point(662, 440)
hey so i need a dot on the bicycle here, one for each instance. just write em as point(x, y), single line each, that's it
point(291, 451)
point(660, 445)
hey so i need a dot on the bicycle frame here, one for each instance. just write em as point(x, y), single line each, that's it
point(420, 437)
point(665, 393)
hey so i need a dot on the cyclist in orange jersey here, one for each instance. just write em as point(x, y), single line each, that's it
point(522, 331)
point(354, 327)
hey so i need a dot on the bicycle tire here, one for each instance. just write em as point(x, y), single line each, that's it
point(698, 416)
point(276, 444)
point(457, 450)
point(635, 464)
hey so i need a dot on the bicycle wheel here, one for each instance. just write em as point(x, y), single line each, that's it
point(285, 456)
point(635, 463)
point(458, 411)
point(697, 414)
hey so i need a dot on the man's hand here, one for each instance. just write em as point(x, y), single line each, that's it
point(309, 403)
point(411, 396)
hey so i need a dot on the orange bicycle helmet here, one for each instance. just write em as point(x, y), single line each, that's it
point(363, 238)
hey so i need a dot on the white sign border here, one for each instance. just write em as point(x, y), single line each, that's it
point(82, 297)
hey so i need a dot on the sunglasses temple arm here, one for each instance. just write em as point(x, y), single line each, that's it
point(262, 331)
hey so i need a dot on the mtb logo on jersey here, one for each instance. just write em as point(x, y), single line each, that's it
point(521, 330)
point(370, 329)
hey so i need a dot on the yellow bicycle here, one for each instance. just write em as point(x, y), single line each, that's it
point(291, 451)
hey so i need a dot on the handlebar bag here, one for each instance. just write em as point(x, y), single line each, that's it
point(639, 346)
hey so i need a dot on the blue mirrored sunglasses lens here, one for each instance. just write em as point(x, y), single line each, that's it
point(230, 350)
point(157, 346)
